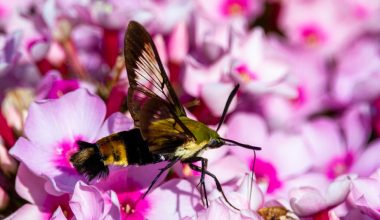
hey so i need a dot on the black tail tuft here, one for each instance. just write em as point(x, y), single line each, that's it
point(88, 161)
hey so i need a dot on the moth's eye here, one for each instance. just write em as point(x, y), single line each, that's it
point(214, 143)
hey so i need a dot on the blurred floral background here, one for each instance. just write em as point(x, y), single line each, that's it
point(309, 75)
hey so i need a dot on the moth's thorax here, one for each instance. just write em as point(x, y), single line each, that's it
point(203, 134)
point(113, 151)
point(190, 149)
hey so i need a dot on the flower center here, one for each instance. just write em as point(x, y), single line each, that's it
point(246, 74)
point(339, 166)
point(128, 209)
point(266, 173)
point(313, 35)
point(64, 151)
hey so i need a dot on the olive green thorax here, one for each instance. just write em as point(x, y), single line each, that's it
point(201, 131)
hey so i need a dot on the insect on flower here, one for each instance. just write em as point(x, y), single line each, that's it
point(163, 132)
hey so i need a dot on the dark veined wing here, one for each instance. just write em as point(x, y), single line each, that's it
point(151, 98)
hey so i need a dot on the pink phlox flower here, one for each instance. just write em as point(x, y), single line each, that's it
point(303, 88)
point(231, 10)
point(358, 68)
point(365, 194)
point(42, 204)
point(255, 70)
point(325, 34)
point(335, 152)
point(52, 129)
point(248, 197)
point(87, 202)
point(181, 199)
point(308, 201)
point(284, 155)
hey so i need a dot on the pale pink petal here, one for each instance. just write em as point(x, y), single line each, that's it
point(29, 211)
point(58, 215)
point(365, 195)
point(197, 75)
point(88, 202)
point(356, 126)
point(115, 123)
point(307, 201)
point(252, 192)
point(22, 151)
point(369, 161)
point(77, 114)
point(181, 199)
point(215, 97)
point(60, 181)
point(248, 129)
point(228, 168)
point(310, 179)
point(324, 141)
point(29, 186)
point(288, 153)
point(338, 190)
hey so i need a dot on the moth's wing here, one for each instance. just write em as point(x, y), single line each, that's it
point(151, 98)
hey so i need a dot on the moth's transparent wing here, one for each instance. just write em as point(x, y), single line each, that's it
point(151, 97)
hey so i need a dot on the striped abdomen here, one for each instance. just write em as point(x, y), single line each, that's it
point(121, 149)
point(124, 148)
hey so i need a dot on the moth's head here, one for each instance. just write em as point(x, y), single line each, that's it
point(215, 143)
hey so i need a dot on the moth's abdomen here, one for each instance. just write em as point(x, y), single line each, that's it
point(120, 149)
point(113, 150)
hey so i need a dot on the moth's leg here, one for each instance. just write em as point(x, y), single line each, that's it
point(203, 168)
point(162, 170)
point(218, 185)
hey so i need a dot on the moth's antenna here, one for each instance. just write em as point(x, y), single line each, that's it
point(229, 100)
point(240, 144)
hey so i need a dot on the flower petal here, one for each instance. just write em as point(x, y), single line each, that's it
point(76, 114)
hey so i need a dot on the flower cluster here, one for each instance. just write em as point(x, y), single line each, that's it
point(309, 97)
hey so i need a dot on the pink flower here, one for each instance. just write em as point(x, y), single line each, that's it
point(248, 198)
point(257, 71)
point(308, 201)
point(52, 129)
point(325, 34)
point(365, 195)
point(358, 69)
point(225, 10)
point(87, 202)
point(335, 154)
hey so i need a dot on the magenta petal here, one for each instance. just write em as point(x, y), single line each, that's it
point(76, 114)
